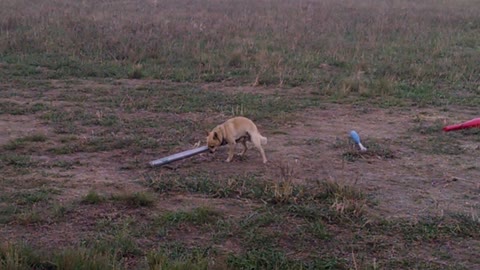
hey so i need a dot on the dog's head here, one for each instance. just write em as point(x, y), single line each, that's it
point(214, 140)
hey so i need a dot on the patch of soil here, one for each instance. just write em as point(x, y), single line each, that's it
point(16, 126)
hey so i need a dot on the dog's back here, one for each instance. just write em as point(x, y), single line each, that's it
point(241, 126)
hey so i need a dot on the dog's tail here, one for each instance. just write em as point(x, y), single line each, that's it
point(263, 140)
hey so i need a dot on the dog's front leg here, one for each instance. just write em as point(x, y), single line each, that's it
point(231, 150)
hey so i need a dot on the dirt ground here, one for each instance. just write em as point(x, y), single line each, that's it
point(417, 176)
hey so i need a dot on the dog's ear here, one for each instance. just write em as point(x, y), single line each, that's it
point(207, 132)
point(215, 136)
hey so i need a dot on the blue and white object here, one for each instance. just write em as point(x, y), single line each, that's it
point(356, 139)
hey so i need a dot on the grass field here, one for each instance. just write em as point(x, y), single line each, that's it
point(91, 91)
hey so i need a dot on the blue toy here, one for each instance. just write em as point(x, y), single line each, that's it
point(356, 139)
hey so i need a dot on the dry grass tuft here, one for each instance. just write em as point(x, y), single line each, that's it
point(285, 190)
point(345, 199)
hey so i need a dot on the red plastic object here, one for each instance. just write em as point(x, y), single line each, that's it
point(469, 124)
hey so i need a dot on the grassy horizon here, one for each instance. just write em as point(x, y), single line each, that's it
point(372, 47)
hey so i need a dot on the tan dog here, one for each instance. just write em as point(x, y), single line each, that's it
point(237, 129)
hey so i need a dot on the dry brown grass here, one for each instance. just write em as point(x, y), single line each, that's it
point(263, 42)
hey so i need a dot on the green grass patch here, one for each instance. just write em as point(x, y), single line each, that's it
point(309, 212)
point(33, 196)
point(29, 216)
point(93, 198)
point(247, 186)
point(423, 95)
point(186, 99)
point(13, 108)
point(135, 143)
point(21, 142)
point(318, 230)
point(175, 255)
point(275, 259)
point(16, 161)
point(59, 211)
point(436, 228)
point(25, 257)
point(430, 228)
point(59, 65)
point(136, 199)
point(197, 216)
point(7, 212)
point(440, 144)
point(118, 238)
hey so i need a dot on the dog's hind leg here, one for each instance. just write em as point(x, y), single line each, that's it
point(245, 148)
point(256, 140)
